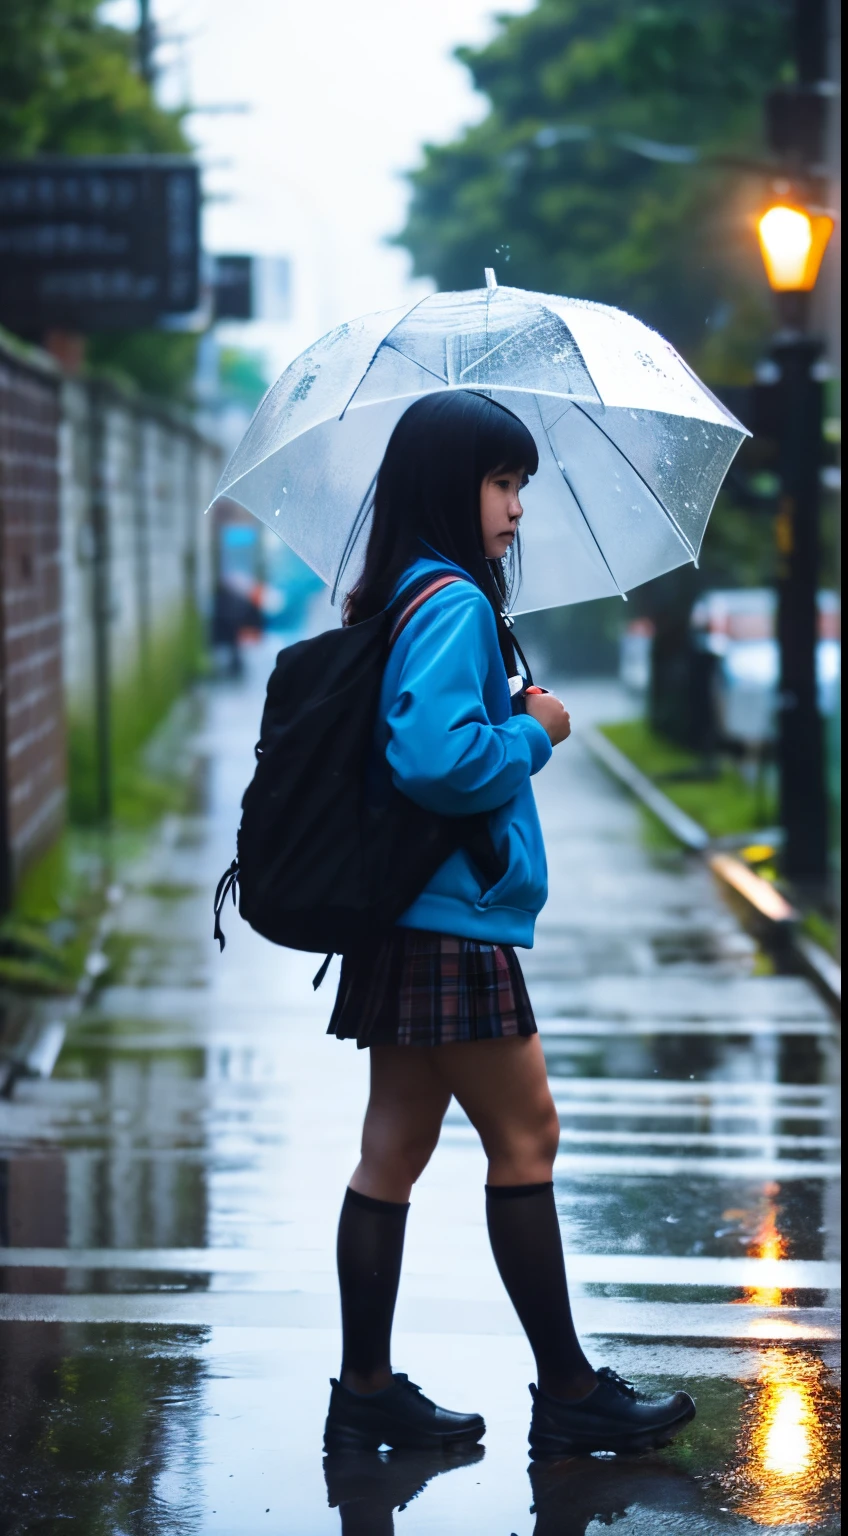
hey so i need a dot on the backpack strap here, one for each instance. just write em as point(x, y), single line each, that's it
point(429, 589)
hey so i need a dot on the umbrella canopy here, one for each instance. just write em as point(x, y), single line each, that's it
point(632, 447)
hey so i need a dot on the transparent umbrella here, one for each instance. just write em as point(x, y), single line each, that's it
point(632, 446)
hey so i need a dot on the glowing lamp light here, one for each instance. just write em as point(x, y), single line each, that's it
point(793, 242)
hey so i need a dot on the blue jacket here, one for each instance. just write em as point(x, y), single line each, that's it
point(451, 743)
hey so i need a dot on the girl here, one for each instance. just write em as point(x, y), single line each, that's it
point(441, 1003)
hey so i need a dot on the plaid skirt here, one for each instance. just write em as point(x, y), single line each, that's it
point(417, 988)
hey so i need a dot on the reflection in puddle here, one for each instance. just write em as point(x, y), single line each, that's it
point(787, 1473)
point(789, 1467)
point(367, 1487)
point(788, 1427)
point(99, 1429)
point(572, 1494)
point(768, 1245)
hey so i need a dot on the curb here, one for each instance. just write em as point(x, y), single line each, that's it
point(36, 1051)
point(764, 907)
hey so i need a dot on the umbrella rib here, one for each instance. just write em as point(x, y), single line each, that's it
point(579, 506)
point(381, 343)
point(415, 362)
point(649, 488)
point(490, 351)
point(353, 535)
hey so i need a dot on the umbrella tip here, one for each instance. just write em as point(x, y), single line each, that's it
point(489, 274)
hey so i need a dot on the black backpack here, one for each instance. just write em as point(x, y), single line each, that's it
point(318, 867)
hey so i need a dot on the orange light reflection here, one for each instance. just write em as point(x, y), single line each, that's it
point(785, 1462)
point(768, 1244)
point(785, 1473)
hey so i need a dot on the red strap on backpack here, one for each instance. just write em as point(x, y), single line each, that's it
point(421, 597)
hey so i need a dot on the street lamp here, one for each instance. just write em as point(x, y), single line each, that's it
point(793, 240)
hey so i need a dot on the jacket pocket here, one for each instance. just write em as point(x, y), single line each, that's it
point(524, 884)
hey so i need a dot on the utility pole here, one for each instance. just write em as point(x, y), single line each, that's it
point(796, 123)
point(146, 42)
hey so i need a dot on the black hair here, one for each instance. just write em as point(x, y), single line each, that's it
point(427, 497)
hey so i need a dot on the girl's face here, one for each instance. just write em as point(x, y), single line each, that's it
point(500, 510)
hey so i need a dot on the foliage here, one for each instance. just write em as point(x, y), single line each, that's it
point(543, 184)
point(46, 937)
point(723, 802)
point(140, 702)
point(92, 1446)
point(160, 363)
point(69, 85)
point(242, 375)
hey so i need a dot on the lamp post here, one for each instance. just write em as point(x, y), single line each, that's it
point(793, 239)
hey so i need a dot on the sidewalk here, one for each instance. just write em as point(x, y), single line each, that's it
point(171, 1196)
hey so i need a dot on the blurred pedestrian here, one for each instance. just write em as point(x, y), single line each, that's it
point(235, 609)
point(441, 1002)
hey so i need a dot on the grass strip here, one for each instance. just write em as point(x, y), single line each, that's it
point(716, 795)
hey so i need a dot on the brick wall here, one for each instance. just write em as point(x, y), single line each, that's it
point(32, 730)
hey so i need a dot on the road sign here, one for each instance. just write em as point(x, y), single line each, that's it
point(233, 288)
point(252, 288)
point(97, 243)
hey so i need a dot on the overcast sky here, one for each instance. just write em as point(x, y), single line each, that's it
point(342, 93)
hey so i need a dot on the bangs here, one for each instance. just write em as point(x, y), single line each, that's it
point(503, 441)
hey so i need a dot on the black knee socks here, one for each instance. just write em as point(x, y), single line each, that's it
point(526, 1242)
point(525, 1237)
point(369, 1252)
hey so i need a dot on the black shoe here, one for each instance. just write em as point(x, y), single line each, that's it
point(398, 1416)
point(569, 1495)
point(613, 1417)
point(367, 1486)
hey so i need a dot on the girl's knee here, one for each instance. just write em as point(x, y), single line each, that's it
point(407, 1155)
point(526, 1150)
point(415, 1155)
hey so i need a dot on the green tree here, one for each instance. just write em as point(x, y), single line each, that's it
point(69, 85)
point(544, 190)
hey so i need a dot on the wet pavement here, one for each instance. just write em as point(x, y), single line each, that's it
point(169, 1200)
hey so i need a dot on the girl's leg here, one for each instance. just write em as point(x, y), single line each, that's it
point(406, 1107)
point(402, 1123)
point(503, 1087)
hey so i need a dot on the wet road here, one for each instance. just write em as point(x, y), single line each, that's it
point(169, 1200)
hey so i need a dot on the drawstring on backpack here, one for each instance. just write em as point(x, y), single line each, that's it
point(228, 882)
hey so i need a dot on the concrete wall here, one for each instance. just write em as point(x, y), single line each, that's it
point(105, 575)
point(32, 732)
point(137, 570)
point(152, 475)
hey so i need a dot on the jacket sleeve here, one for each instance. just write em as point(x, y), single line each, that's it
point(443, 751)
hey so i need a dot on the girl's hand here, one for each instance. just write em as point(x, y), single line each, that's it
point(550, 713)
